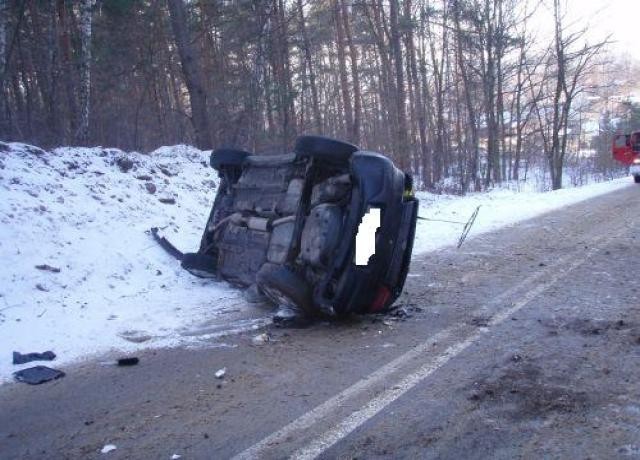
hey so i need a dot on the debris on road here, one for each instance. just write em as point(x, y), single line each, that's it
point(480, 321)
point(108, 448)
point(167, 200)
point(19, 358)
point(261, 339)
point(121, 362)
point(49, 268)
point(175, 457)
point(220, 373)
point(37, 375)
point(128, 361)
point(400, 312)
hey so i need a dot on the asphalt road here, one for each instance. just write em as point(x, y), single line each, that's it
point(523, 344)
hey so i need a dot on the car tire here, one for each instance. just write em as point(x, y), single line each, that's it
point(324, 148)
point(636, 179)
point(200, 265)
point(221, 158)
point(284, 287)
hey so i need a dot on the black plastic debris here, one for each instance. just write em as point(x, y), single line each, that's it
point(128, 361)
point(166, 245)
point(48, 268)
point(37, 375)
point(19, 358)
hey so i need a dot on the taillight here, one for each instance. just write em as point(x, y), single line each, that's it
point(380, 299)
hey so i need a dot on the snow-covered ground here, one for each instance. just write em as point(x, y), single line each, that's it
point(87, 212)
point(498, 208)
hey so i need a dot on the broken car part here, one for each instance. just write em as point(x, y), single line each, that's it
point(37, 375)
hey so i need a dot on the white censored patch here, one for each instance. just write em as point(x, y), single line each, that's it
point(366, 236)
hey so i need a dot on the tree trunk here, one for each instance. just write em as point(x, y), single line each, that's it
point(192, 76)
point(427, 158)
point(355, 78)
point(471, 110)
point(342, 68)
point(402, 149)
point(69, 77)
point(420, 104)
point(387, 115)
point(4, 16)
point(84, 90)
point(317, 118)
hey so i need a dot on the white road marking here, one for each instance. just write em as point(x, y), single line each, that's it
point(375, 405)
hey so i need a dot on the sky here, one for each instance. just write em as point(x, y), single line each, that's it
point(619, 19)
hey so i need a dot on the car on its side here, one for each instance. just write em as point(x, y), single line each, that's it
point(290, 223)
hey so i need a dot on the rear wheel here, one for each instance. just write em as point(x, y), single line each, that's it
point(221, 158)
point(636, 179)
point(324, 148)
point(284, 287)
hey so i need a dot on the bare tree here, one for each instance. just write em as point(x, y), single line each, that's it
point(342, 67)
point(402, 149)
point(571, 61)
point(454, 90)
point(4, 16)
point(192, 75)
point(306, 44)
point(355, 77)
point(84, 89)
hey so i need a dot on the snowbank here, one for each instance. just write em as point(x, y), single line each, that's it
point(498, 208)
point(87, 212)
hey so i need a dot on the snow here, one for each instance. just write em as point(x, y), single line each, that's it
point(75, 210)
point(108, 448)
point(498, 208)
point(82, 211)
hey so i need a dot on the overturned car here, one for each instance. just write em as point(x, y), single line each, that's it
point(297, 226)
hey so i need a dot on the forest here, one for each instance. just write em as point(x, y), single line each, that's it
point(464, 94)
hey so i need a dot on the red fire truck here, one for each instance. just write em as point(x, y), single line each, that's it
point(626, 149)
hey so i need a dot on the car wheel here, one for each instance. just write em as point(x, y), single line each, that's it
point(227, 157)
point(200, 265)
point(636, 179)
point(324, 148)
point(284, 287)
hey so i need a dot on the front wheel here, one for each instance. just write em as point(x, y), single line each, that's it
point(221, 158)
point(324, 149)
